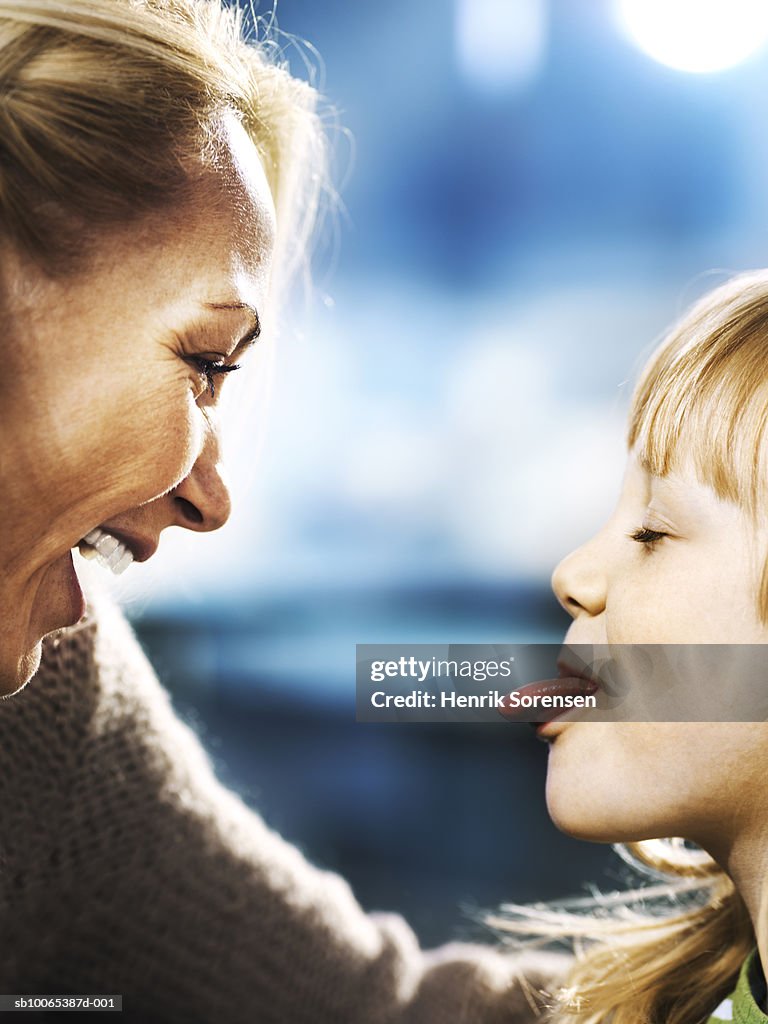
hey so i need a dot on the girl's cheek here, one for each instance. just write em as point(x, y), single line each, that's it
point(634, 616)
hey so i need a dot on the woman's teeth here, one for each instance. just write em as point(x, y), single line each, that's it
point(108, 551)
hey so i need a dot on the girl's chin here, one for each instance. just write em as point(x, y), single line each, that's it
point(601, 814)
point(584, 799)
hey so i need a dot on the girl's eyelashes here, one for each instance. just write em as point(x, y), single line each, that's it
point(645, 535)
point(210, 369)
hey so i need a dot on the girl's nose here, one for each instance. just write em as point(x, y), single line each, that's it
point(579, 582)
point(202, 501)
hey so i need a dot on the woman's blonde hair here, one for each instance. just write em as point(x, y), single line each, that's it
point(107, 105)
point(668, 952)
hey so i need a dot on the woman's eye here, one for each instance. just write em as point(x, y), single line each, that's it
point(644, 535)
point(210, 369)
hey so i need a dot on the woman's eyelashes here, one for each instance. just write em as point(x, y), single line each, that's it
point(645, 535)
point(210, 369)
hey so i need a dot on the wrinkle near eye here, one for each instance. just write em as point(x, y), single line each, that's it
point(653, 520)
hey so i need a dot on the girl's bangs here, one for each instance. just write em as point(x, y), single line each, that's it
point(703, 396)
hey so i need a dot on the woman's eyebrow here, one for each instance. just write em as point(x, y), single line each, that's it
point(250, 336)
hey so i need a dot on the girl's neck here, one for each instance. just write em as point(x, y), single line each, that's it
point(746, 862)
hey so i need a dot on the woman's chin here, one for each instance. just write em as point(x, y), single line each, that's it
point(17, 666)
point(57, 601)
point(16, 676)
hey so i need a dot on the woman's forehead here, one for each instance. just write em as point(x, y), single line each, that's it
point(219, 243)
point(236, 180)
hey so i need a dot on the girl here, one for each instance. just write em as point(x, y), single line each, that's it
point(682, 560)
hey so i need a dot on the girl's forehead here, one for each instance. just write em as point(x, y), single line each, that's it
point(714, 435)
point(682, 489)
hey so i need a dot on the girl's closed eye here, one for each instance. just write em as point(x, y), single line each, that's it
point(212, 368)
point(648, 537)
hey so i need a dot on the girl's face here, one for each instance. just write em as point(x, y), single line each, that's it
point(105, 393)
point(673, 565)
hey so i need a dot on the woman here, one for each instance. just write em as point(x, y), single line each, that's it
point(153, 171)
point(138, 233)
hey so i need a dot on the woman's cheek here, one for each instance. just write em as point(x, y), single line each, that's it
point(146, 443)
point(168, 446)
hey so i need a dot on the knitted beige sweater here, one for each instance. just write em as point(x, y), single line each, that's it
point(127, 868)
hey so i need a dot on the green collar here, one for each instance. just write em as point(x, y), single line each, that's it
point(745, 1009)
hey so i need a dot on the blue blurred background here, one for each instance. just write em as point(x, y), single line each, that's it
point(534, 194)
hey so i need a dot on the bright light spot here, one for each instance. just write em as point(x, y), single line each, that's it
point(500, 43)
point(696, 35)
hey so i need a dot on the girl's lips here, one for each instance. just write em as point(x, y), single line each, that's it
point(547, 731)
point(531, 694)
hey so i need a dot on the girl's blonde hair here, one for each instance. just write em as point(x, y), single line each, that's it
point(704, 395)
point(107, 106)
point(668, 952)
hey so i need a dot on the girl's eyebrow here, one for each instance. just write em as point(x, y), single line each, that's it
point(250, 336)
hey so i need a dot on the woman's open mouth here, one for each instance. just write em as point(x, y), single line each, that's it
point(66, 602)
point(107, 550)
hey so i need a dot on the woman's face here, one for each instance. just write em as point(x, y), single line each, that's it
point(695, 585)
point(106, 409)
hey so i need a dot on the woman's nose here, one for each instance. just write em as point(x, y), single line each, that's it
point(579, 583)
point(202, 501)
